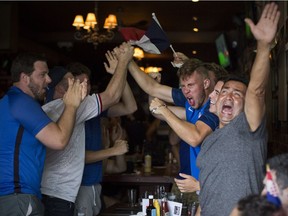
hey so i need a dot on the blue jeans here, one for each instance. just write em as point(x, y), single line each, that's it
point(57, 207)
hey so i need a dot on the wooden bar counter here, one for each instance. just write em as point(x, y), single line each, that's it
point(159, 176)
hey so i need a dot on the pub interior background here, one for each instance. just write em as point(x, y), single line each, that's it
point(46, 27)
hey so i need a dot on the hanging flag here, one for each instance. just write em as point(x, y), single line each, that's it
point(272, 194)
point(131, 33)
point(154, 40)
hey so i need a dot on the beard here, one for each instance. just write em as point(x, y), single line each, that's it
point(36, 91)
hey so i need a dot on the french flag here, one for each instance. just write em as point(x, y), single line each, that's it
point(272, 194)
point(154, 40)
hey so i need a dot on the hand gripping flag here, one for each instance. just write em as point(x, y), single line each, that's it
point(154, 40)
point(272, 194)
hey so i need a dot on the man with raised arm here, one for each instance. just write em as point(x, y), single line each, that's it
point(233, 157)
point(63, 170)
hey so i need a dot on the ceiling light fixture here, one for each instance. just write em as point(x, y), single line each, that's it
point(138, 53)
point(89, 31)
point(195, 29)
point(151, 69)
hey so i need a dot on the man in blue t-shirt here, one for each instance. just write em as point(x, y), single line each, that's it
point(196, 83)
point(26, 130)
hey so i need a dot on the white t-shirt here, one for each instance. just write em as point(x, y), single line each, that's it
point(63, 169)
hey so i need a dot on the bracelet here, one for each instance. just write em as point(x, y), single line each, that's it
point(156, 108)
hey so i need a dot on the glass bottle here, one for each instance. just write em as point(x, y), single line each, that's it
point(147, 157)
point(151, 210)
point(157, 207)
point(192, 208)
point(164, 207)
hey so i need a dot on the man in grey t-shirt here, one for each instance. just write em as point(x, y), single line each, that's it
point(232, 158)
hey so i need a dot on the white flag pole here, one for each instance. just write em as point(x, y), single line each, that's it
point(156, 20)
point(173, 50)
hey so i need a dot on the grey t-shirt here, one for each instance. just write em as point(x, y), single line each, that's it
point(231, 162)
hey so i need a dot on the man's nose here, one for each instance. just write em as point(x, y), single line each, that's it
point(229, 96)
point(185, 89)
point(48, 79)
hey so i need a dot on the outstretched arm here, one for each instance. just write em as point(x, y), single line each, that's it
point(127, 104)
point(149, 85)
point(193, 134)
point(264, 32)
point(114, 90)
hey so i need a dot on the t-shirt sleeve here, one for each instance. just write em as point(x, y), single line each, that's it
point(29, 113)
point(89, 108)
point(178, 97)
point(210, 119)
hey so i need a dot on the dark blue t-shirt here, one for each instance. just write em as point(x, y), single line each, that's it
point(93, 141)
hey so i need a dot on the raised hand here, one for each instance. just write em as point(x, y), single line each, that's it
point(84, 88)
point(126, 52)
point(74, 93)
point(112, 61)
point(265, 29)
point(179, 59)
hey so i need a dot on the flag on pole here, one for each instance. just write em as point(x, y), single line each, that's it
point(272, 194)
point(131, 33)
point(154, 40)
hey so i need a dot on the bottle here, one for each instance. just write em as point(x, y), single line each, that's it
point(192, 209)
point(157, 207)
point(164, 207)
point(147, 157)
point(151, 210)
point(170, 158)
point(147, 163)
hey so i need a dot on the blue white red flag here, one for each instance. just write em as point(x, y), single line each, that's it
point(154, 40)
point(272, 194)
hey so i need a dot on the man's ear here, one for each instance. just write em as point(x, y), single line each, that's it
point(25, 77)
point(207, 83)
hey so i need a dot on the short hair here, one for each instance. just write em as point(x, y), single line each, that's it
point(238, 78)
point(282, 176)
point(279, 163)
point(24, 63)
point(256, 205)
point(77, 68)
point(278, 160)
point(219, 72)
point(188, 67)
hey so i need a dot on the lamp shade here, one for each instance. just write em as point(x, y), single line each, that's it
point(110, 22)
point(78, 21)
point(90, 21)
